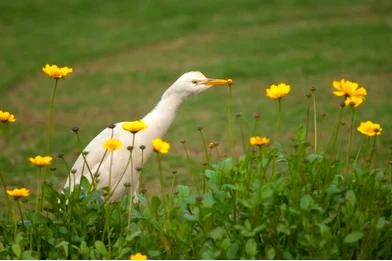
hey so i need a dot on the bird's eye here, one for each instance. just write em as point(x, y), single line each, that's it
point(194, 81)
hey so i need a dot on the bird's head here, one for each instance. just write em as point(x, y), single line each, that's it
point(195, 82)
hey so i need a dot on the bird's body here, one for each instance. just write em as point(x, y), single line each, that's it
point(103, 164)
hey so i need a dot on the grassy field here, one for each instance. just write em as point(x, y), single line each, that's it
point(125, 54)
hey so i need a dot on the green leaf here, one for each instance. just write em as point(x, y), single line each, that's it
point(17, 250)
point(84, 250)
point(208, 200)
point(251, 247)
point(183, 191)
point(27, 255)
point(351, 198)
point(154, 254)
point(84, 183)
point(129, 238)
point(353, 237)
point(210, 174)
point(155, 203)
point(380, 223)
point(65, 246)
point(232, 251)
point(270, 253)
point(217, 233)
point(287, 255)
point(324, 229)
point(314, 157)
point(283, 228)
point(100, 246)
point(306, 202)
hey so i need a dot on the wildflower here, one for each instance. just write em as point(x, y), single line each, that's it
point(258, 141)
point(6, 117)
point(353, 93)
point(56, 72)
point(138, 256)
point(41, 161)
point(277, 92)
point(112, 144)
point(18, 193)
point(160, 146)
point(353, 101)
point(369, 128)
point(134, 126)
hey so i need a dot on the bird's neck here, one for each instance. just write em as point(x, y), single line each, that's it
point(161, 117)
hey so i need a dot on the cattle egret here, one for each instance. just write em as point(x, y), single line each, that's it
point(94, 162)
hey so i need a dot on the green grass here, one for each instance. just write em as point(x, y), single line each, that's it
point(125, 55)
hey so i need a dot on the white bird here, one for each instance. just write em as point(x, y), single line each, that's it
point(158, 122)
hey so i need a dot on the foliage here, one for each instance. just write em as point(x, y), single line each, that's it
point(265, 205)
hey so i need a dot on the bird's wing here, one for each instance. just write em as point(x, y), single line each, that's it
point(96, 158)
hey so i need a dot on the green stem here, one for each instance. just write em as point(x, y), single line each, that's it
point(141, 182)
point(9, 203)
point(86, 163)
point(39, 181)
point(192, 172)
point(357, 155)
point(110, 172)
point(20, 211)
point(278, 118)
point(132, 178)
point(350, 134)
point(100, 163)
point(334, 138)
point(315, 122)
point(307, 121)
point(203, 140)
point(372, 151)
point(229, 120)
point(50, 117)
point(68, 171)
point(42, 184)
point(130, 205)
point(173, 182)
point(121, 176)
point(161, 180)
point(244, 149)
point(261, 163)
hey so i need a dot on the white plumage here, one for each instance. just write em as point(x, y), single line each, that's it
point(158, 121)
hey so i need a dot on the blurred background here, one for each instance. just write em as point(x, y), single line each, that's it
point(126, 53)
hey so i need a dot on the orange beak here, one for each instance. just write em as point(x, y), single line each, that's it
point(214, 82)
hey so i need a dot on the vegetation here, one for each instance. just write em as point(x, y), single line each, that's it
point(316, 186)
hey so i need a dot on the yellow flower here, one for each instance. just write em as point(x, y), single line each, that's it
point(56, 72)
point(353, 93)
point(18, 193)
point(112, 144)
point(369, 128)
point(160, 146)
point(258, 141)
point(137, 256)
point(353, 101)
point(276, 92)
point(41, 161)
point(6, 117)
point(134, 126)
